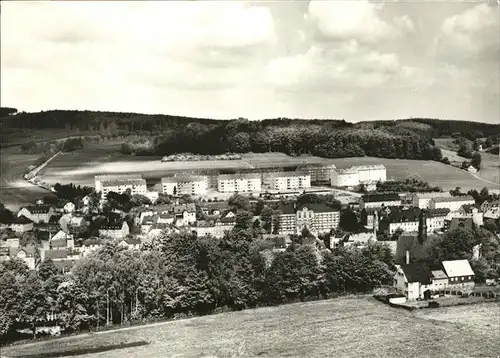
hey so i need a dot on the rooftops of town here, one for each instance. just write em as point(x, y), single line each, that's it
point(456, 268)
point(123, 181)
point(287, 174)
point(183, 179)
point(432, 195)
point(443, 199)
point(369, 167)
point(239, 176)
point(371, 198)
point(39, 209)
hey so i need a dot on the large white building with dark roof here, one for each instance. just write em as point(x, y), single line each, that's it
point(454, 203)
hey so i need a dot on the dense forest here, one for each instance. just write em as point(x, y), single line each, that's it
point(165, 134)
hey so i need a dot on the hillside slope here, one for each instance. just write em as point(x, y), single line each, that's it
point(354, 327)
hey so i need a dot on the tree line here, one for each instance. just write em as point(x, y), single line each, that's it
point(181, 275)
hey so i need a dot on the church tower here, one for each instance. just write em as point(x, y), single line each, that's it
point(422, 227)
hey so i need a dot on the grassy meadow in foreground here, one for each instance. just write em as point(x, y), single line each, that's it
point(354, 327)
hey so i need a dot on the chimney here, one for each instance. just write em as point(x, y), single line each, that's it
point(407, 257)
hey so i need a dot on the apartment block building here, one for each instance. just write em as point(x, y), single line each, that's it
point(320, 173)
point(356, 175)
point(371, 173)
point(286, 180)
point(242, 183)
point(422, 200)
point(120, 186)
point(184, 185)
point(453, 203)
point(98, 179)
point(345, 177)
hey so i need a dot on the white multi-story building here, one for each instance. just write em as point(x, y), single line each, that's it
point(422, 200)
point(180, 185)
point(317, 218)
point(242, 183)
point(356, 175)
point(454, 203)
point(371, 173)
point(345, 177)
point(120, 186)
point(287, 180)
point(98, 179)
point(320, 173)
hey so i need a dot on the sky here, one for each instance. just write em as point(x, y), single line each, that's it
point(356, 60)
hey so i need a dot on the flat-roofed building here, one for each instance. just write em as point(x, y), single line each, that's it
point(422, 200)
point(181, 185)
point(287, 180)
point(345, 177)
point(120, 186)
point(454, 203)
point(242, 183)
point(379, 200)
point(320, 173)
point(371, 173)
point(98, 179)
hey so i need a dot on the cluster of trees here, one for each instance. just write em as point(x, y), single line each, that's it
point(6, 215)
point(7, 111)
point(183, 275)
point(411, 185)
point(53, 146)
point(125, 201)
point(479, 196)
point(71, 192)
point(330, 140)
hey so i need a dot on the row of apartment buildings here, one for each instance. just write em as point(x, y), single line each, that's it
point(232, 183)
point(245, 180)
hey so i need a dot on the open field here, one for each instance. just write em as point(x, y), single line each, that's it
point(354, 327)
point(14, 190)
point(490, 163)
point(81, 166)
point(266, 160)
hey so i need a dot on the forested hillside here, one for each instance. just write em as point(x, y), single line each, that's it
point(165, 134)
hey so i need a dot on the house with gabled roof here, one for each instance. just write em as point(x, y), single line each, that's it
point(488, 205)
point(418, 281)
point(21, 224)
point(130, 243)
point(37, 213)
point(118, 229)
point(460, 274)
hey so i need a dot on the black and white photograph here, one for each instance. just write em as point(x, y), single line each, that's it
point(229, 178)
